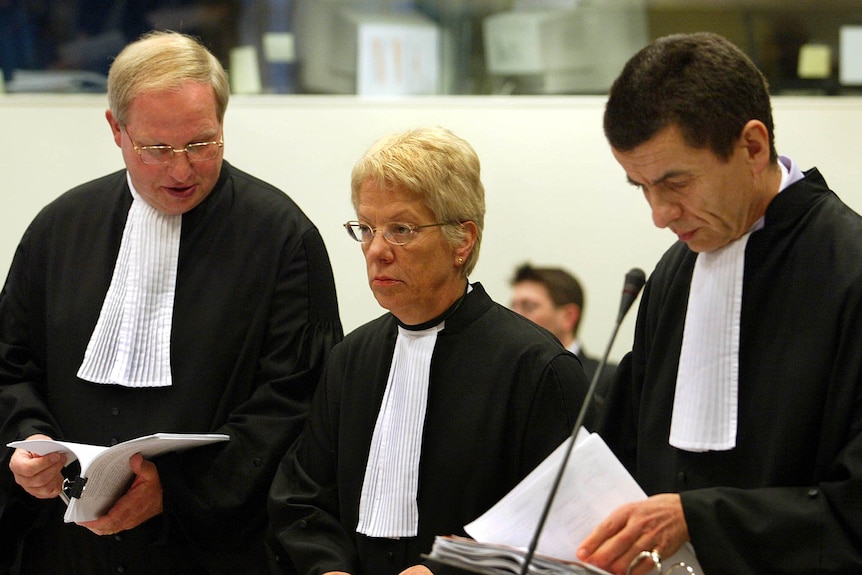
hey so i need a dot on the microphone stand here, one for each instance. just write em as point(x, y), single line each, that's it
point(634, 282)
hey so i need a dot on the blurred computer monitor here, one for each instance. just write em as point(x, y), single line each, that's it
point(578, 49)
point(343, 48)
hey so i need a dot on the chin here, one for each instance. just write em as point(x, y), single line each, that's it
point(382, 300)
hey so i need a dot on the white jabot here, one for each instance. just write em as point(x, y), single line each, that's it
point(388, 507)
point(705, 405)
point(131, 344)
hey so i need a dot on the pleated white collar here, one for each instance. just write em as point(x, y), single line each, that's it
point(131, 344)
point(705, 407)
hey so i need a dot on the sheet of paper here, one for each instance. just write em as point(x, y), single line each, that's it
point(594, 484)
point(74, 451)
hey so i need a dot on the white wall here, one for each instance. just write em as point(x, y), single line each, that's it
point(554, 193)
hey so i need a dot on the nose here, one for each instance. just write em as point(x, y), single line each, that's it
point(663, 212)
point(179, 166)
point(377, 247)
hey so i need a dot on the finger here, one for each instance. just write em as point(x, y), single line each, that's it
point(107, 524)
point(142, 501)
point(142, 467)
point(616, 552)
point(642, 556)
point(41, 477)
point(600, 534)
point(101, 526)
point(28, 464)
point(645, 562)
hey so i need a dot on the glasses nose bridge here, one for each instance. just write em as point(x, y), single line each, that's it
point(183, 150)
point(173, 159)
point(366, 234)
point(382, 234)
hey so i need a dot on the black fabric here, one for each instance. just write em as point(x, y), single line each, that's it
point(255, 315)
point(788, 498)
point(502, 395)
point(603, 385)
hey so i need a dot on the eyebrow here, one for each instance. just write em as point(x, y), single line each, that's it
point(665, 176)
point(400, 217)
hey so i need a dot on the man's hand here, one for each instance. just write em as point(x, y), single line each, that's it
point(141, 502)
point(657, 523)
point(417, 570)
point(40, 476)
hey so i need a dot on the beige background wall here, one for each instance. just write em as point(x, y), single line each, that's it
point(554, 193)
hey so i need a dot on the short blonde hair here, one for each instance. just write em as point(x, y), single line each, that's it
point(163, 61)
point(439, 167)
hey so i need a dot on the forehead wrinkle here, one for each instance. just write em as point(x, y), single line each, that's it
point(403, 215)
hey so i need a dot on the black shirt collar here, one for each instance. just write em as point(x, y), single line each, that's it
point(437, 320)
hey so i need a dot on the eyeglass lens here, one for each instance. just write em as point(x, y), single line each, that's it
point(163, 154)
point(393, 232)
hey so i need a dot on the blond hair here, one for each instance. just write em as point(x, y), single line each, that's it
point(439, 167)
point(163, 61)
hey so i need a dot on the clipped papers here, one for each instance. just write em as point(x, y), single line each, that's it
point(593, 485)
point(493, 559)
point(105, 472)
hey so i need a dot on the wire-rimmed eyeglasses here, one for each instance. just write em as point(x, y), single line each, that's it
point(162, 154)
point(396, 233)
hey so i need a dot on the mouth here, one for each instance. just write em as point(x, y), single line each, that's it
point(685, 236)
point(180, 192)
point(383, 281)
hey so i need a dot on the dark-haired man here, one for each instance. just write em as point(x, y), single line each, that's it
point(739, 409)
point(554, 299)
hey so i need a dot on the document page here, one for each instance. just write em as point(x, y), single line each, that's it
point(74, 451)
point(594, 484)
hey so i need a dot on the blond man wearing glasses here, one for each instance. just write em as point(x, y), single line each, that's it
point(177, 295)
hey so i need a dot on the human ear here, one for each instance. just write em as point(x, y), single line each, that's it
point(115, 127)
point(572, 314)
point(755, 140)
point(470, 233)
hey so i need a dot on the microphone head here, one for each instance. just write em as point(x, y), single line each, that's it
point(634, 282)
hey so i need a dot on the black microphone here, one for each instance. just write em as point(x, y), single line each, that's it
point(634, 282)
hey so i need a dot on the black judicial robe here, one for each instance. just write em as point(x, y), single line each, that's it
point(603, 385)
point(255, 316)
point(788, 498)
point(502, 395)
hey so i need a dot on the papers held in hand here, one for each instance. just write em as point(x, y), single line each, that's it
point(105, 472)
point(593, 485)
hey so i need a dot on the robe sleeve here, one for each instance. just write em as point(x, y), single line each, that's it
point(207, 488)
point(22, 411)
point(304, 499)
